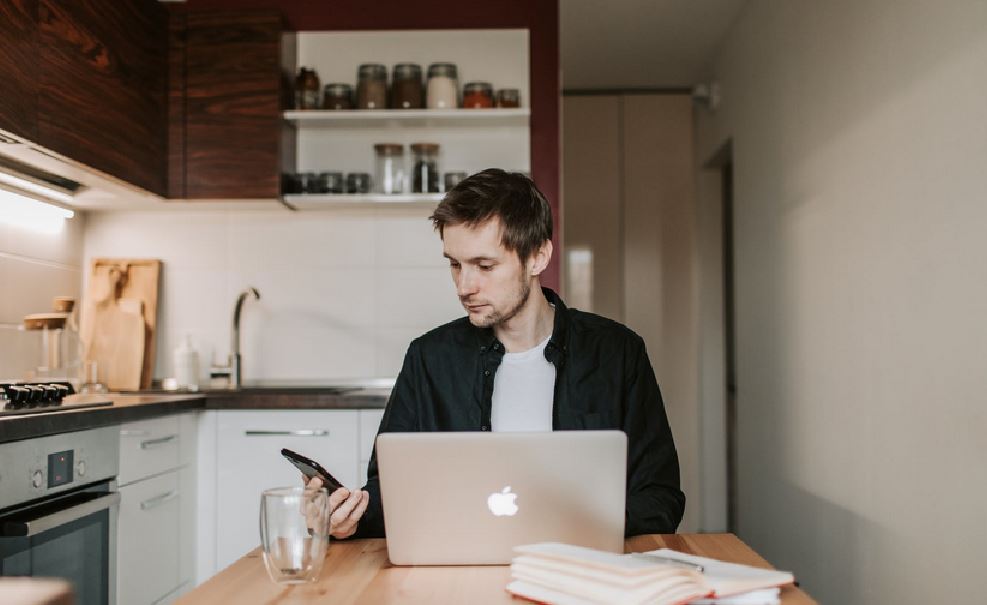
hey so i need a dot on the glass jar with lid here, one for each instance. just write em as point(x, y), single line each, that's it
point(443, 86)
point(371, 86)
point(306, 89)
point(508, 98)
point(425, 168)
point(337, 96)
point(407, 91)
point(478, 95)
point(389, 169)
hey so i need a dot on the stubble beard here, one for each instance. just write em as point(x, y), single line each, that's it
point(496, 318)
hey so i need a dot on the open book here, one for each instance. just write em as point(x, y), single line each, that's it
point(573, 575)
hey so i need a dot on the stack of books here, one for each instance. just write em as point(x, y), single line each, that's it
point(573, 575)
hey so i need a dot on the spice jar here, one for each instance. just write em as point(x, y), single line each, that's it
point(357, 182)
point(425, 171)
point(407, 91)
point(330, 182)
point(453, 178)
point(508, 97)
point(310, 182)
point(478, 95)
point(443, 86)
point(337, 96)
point(371, 86)
point(306, 89)
point(389, 167)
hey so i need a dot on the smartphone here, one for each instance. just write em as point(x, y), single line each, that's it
point(311, 468)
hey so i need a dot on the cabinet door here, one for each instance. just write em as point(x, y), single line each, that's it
point(102, 98)
point(148, 539)
point(232, 105)
point(249, 461)
point(18, 67)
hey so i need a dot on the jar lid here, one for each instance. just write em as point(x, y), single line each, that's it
point(407, 71)
point(338, 89)
point(509, 93)
point(425, 147)
point(447, 70)
point(389, 149)
point(478, 87)
point(372, 70)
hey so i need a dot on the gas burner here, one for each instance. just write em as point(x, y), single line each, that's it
point(19, 398)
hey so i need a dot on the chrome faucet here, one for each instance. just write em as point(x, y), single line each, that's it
point(234, 365)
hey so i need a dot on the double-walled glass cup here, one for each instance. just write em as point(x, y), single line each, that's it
point(294, 528)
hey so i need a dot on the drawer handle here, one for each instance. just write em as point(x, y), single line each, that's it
point(149, 443)
point(298, 433)
point(159, 500)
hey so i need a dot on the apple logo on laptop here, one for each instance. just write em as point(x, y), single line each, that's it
point(502, 504)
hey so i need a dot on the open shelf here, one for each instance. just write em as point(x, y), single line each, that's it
point(311, 201)
point(431, 118)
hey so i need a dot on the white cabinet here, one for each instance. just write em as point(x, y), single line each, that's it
point(248, 461)
point(369, 423)
point(156, 526)
point(148, 539)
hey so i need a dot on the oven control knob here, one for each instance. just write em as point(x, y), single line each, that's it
point(81, 468)
point(37, 479)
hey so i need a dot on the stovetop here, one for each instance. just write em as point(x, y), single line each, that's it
point(21, 398)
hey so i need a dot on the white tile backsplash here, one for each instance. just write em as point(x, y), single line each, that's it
point(414, 297)
point(343, 292)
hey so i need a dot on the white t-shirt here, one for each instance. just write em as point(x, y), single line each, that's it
point(524, 390)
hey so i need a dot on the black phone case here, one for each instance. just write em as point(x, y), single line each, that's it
point(311, 468)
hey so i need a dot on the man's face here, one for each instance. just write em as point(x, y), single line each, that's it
point(491, 282)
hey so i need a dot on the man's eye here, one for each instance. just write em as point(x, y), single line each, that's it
point(454, 265)
point(486, 267)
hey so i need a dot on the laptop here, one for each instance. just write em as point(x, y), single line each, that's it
point(470, 498)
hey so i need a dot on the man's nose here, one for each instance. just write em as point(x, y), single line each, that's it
point(466, 284)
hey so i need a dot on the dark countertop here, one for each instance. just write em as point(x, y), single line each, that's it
point(139, 406)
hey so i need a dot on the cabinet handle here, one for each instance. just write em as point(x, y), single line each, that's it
point(159, 500)
point(149, 443)
point(298, 433)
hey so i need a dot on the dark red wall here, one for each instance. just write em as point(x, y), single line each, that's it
point(540, 17)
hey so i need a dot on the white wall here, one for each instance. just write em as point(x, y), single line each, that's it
point(343, 292)
point(34, 268)
point(860, 144)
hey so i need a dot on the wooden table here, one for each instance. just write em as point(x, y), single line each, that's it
point(35, 591)
point(358, 572)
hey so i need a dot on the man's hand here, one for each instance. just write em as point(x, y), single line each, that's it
point(346, 509)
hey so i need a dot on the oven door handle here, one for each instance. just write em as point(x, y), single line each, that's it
point(43, 524)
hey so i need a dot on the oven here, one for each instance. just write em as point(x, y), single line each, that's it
point(58, 511)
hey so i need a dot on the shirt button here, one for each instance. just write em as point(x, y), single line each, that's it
point(483, 349)
point(486, 372)
point(484, 428)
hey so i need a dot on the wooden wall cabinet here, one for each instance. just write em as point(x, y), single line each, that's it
point(18, 67)
point(230, 133)
point(101, 99)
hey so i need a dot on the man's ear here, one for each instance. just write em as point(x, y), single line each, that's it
point(539, 260)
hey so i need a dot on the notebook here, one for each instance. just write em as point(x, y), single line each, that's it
point(572, 575)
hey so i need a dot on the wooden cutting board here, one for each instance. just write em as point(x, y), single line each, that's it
point(107, 322)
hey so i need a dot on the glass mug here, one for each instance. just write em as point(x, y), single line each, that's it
point(294, 524)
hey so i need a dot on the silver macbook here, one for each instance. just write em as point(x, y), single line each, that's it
point(469, 498)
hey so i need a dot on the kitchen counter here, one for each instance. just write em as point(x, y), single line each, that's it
point(128, 407)
point(358, 571)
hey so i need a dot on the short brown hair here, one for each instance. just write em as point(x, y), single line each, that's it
point(512, 197)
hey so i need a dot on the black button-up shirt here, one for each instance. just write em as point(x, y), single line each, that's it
point(604, 380)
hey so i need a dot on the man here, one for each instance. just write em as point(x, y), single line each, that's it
point(521, 360)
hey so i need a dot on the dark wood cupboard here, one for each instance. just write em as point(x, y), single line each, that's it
point(101, 99)
point(19, 68)
point(232, 111)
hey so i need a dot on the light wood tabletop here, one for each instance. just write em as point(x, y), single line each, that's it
point(358, 572)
